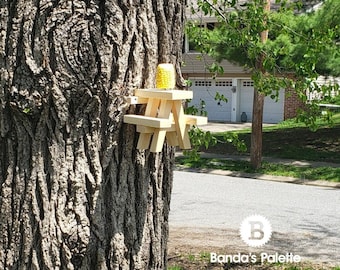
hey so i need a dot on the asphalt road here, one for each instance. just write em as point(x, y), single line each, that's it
point(305, 219)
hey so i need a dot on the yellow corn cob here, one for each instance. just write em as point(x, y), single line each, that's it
point(165, 76)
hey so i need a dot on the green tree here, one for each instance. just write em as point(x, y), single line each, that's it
point(280, 47)
point(329, 16)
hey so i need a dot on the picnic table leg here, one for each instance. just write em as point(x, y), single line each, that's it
point(152, 107)
point(144, 141)
point(181, 127)
point(159, 134)
point(151, 110)
point(171, 137)
point(157, 141)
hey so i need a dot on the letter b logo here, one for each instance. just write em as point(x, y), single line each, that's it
point(255, 230)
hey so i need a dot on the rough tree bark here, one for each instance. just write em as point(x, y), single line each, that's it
point(256, 130)
point(74, 191)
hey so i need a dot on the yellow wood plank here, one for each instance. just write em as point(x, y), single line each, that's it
point(196, 120)
point(164, 94)
point(186, 139)
point(164, 110)
point(152, 107)
point(144, 141)
point(180, 122)
point(157, 141)
point(171, 134)
point(171, 138)
point(147, 121)
point(144, 129)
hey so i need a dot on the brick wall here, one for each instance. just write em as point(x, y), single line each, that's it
point(292, 103)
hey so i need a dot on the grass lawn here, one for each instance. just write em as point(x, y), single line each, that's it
point(287, 140)
point(301, 172)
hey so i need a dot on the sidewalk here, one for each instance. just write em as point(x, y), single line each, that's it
point(297, 163)
point(229, 126)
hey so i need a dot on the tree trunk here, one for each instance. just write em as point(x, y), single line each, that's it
point(256, 133)
point(258, 103)
point(75, 192)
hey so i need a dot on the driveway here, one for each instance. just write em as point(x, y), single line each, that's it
point(207, 210)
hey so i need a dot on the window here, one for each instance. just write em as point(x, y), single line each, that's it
point(224, 83)
point(189, 45)
point(203, 83)
point(248, 84)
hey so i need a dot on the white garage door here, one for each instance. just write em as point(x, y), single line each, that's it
point(206, 90)
point(272, 111)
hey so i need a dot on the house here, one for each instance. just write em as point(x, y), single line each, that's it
point(234, 84)
point(237, 87)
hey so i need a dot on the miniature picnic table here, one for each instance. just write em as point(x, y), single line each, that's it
point(163, 118)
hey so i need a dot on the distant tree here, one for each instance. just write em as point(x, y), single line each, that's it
point(281, 49)
point(75, 193)
point(327, 19)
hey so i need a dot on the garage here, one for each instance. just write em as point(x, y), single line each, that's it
point(273, 112)
point(205, 90)
point(239, 101)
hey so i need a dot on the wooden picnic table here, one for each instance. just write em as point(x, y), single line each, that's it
point(164, 117)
